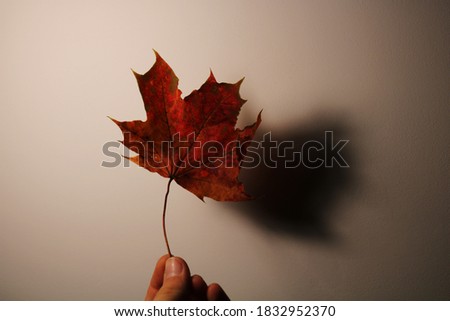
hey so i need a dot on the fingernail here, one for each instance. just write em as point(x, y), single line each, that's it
point(173, 267)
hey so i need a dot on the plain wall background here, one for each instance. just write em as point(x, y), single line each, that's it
point(375, 72)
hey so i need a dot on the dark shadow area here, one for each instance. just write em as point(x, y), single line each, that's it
point(297, 194)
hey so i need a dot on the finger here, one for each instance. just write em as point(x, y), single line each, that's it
point(216, 293)
point(157, 278)
point(199, 288)
point(177, 281)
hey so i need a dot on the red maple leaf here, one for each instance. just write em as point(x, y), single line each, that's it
point(192, 141)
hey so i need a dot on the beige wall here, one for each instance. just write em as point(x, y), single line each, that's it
point(375, 72)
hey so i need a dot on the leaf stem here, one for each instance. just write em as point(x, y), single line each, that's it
point(164, 217)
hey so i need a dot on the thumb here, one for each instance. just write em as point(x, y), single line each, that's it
point(176, 281)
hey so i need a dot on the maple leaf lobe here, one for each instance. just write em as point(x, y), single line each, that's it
point(172, 140)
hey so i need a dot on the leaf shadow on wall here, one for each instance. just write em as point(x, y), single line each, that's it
point(299, 200)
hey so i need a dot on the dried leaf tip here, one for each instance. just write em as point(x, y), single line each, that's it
point(211, 77)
